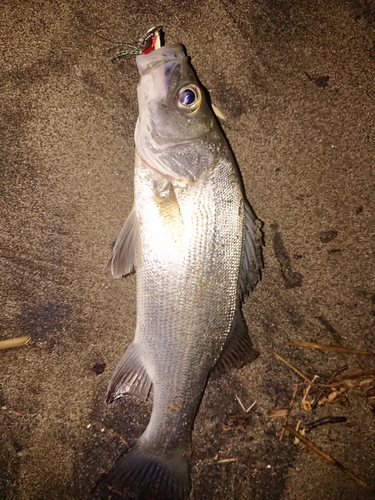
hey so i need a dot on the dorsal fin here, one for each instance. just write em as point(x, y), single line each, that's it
point(252, 256)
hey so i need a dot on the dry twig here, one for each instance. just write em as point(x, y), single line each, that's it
point(323, 421)
point(278, 412)
point(332, 348)
point(288, 413)
point(118, 436)
point(243, 407)
point(306, 405)
point(290, 365)
point(226, 460)
point(327, 457)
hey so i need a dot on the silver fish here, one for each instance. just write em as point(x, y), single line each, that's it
point(195, 245)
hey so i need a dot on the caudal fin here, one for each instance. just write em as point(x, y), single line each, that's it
point(141, 475)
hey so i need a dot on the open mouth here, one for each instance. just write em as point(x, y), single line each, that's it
point(153, 39)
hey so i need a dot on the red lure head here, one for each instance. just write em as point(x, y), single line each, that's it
point(151, 47)
point(152, 39)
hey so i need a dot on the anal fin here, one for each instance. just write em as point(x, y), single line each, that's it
point(238, 349)
point(130, 377)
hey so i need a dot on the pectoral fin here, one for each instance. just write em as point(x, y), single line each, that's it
point(127, 249)
point(130, 376)
point(238, 349)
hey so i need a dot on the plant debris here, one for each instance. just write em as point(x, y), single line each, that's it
point(323, 421)
point(332, 348)
point(335, 389)
point(327, 457)
point(316, 393)
point(235, 423)
point(243, 407)
point(288, 413)
point(15, 342)
point(224, 460)
point(290, 365)
point(319, 396)
point(279, 412)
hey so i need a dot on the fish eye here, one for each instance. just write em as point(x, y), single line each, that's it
point(189, 98)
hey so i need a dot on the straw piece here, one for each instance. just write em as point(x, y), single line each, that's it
point(290, 365)
point(14, 342)
point(288, 413)
point(226, 460)
point(278, 412)
point(332, 348)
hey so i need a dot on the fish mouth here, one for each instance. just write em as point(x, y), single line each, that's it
point(156, 65)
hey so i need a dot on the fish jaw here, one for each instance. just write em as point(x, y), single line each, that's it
point(155, 69)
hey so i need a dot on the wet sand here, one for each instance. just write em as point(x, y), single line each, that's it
point(295, 82)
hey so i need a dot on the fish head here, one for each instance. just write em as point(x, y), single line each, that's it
point(176, 132)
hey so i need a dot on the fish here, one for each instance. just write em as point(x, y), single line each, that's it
point(195, 245)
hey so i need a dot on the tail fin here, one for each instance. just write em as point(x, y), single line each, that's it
point(141, 475)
